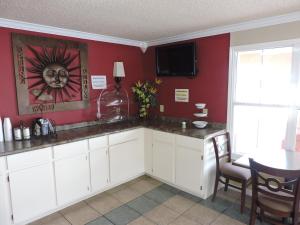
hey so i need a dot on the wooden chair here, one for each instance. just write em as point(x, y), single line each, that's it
point(272, 196)
point(225, 170)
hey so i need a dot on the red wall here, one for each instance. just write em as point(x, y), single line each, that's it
point(100, 61)
point(209, 86)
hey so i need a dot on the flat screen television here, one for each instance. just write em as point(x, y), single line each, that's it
point(176, 60)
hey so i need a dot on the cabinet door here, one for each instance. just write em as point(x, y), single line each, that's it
point(148, 143)
point(32, 192)
point(126, 161)
point(72, 178)
point(99, 169)
point(4, 202)
point(163, 160)
point(209, 168)
point(189, 169)
point(189, 163)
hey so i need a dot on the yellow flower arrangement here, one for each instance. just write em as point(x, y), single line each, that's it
point(145, 94)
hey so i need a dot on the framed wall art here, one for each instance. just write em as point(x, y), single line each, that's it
point(51, 74)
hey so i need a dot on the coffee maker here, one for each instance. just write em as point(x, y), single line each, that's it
point(43, 127)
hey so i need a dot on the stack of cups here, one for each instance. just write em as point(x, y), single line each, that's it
point(1, 131)
point(7, 129)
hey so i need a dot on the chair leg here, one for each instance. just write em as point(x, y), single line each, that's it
point(216, 188)
point(243, 196)
point(296, 219)
point(253, 213)
point(226, 184)
point(262, 215)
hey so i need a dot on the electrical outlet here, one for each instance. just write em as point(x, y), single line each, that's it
point(161, 108)
point(205, 111)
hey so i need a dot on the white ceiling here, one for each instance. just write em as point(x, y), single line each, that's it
point(143, 20)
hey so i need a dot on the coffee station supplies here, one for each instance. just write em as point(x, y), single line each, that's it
point(8, 136)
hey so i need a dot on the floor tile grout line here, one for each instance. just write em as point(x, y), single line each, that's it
point(216, 218)
point(142, 193)
point(95, 210)
point(108, 220)
point(135, 209)
point(174, 193)
point(110, 195)
point(220, 213)
point(65, 218)
point(113, 196)
point(181, 214)
point(98, 216)
point(92, 208)
point(119, 207)
point(159, 204)
point(121, 186)
point(122, 204)
point(233, 204)
point(183, 211)
point(162, 204)
point(132, 199)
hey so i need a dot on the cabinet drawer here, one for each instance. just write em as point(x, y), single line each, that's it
point(2, 165)
point(124, 136)
point(70, 149)
point(98, 142)
point(28, 159)
point(189, 142)
point(163, 136)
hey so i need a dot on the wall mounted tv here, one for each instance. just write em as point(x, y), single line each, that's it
point(176, 60)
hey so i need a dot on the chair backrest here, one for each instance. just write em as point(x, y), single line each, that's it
point(275, 183)
point(222, 148)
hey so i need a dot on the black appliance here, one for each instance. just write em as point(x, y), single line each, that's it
point(176, 60)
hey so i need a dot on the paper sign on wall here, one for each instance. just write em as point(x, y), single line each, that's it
point(181, 95)
point(98, 81)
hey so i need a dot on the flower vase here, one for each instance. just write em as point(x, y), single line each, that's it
point(143, 111)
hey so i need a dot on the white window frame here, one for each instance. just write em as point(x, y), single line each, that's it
point(232, 75)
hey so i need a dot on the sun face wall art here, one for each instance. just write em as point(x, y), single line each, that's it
point(51, 74)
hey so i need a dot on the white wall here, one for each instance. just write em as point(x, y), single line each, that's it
point(274, 33)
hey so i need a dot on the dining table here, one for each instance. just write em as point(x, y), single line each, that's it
point(279, 159)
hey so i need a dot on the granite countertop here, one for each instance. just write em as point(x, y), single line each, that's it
point(76, 134)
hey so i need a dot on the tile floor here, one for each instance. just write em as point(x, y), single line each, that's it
point(145, 201)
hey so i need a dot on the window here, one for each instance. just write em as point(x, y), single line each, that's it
point(264, 98)
point(298, 134)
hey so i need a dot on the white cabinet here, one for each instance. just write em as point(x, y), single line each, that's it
point(209, 168)
point(99, 165)
point(72, 172)
point(46, 180)
point(126, 155)
point(31, 184)
point(163, 156)
point(189, 163)
point(32, 192)
point(5, 213)
point(5, 218)
point(148, 142)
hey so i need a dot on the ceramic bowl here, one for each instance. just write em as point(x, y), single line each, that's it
point(200, 124)
point(200, 114)
point(200, 105)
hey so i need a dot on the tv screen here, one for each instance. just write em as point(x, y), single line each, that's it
point(176, 60)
